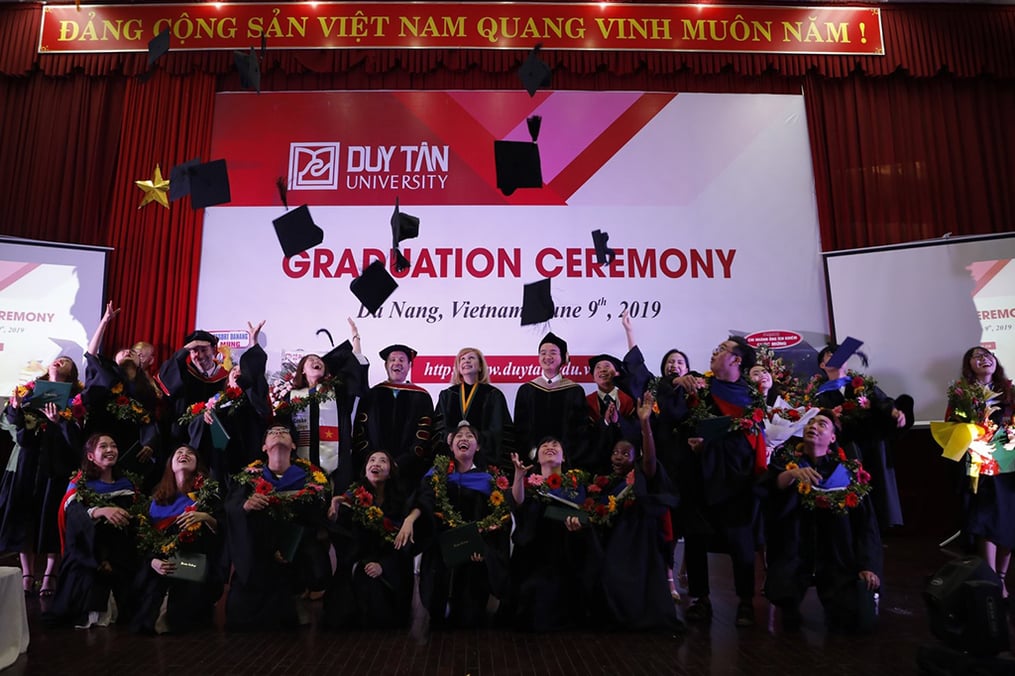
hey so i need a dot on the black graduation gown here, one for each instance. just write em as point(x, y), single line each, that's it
point(635, 570)
point(559, 411)
point(81, 587)
point(263, 591)
point(30, 495)
point(190, 605)
point(871, 432)
point(102, 374)
point(555, 573)
point(357, 601)
point(397, 419)
point(603, 436)
point(488, 411)
point(818, 547)
point(467, 587)
point(184, 385)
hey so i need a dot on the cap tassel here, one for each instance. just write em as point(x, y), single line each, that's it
point(534, 123)
point(401, 262)
point(280, 183)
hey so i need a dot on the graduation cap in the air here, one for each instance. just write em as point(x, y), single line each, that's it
point(373, 286)
point(249, 67)
point(604, 254)
point(179, 179)
point(537, 305)
point(157, 47)
point(297, 232)
point(209, 184)
point(534, 73)
point(403, 227)
point(848, 348)
point(517, 162)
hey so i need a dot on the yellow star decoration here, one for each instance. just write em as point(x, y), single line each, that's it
point(155, 190)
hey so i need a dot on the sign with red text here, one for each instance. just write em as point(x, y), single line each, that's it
point(480, 25)
point(708, 201)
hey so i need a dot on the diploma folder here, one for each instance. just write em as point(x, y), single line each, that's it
point(49, 392)
point(219, 436)
point(189, 567)
point(286, 538)
point(711, 429)
point(563, 508)
point(459, 544)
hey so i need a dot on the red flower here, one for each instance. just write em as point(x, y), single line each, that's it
point(848, 405)
point(793, 414)
point(262, 486)
point(862, 476)
point(122, 400)
point(842, 454)
point(851, 500)
point(589, 503)
point(601, 510)
point(451, 467)
point(821, 501)
point(233, 392)
point(364, 498)
point(758, 415)
point(196, 408)
point(553, 481)
point(388, 525)
point(595, 489)
point(198, 482)
point(503, 483)
point(857, 383)
point(602, 481)
point(187, 536)
point(190, 508)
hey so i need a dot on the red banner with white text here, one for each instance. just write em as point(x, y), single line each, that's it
point(481, 25)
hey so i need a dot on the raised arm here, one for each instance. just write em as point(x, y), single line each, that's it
point(518, 486)
point(625, 320)
point(96, 342)
point(648, 443)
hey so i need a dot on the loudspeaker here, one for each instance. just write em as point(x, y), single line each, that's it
point(966, 608)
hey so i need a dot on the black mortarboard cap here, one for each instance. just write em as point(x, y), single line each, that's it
point(517, 165)
point(374, 286)
point(403, 226)
point(537, 305)
point(199, 337)
point(554, 339)
point(409, 352)
point(249, 67)
point(617, 364)
point(845, 351)
point(179, 179)
point(297, 232)
point(158, 46)
point(209, 184)
point(604, 254)
point(534, 72)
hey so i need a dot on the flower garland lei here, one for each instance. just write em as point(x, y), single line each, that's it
point(601, 513)
point(861, 385)
point(751, 420)
point(325, 391)
point(573, 479)
point(500, 509)
point(151, 540)
point(89, 498)
point(227, 400)
point(280, 505)
point(369, 515)
point(839, 500)
point(126, 408)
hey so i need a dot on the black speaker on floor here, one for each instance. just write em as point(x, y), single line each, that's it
point(966, 608)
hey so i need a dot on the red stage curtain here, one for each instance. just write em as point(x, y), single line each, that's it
point(899, 160)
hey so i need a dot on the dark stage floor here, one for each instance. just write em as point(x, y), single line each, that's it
point(718, 648)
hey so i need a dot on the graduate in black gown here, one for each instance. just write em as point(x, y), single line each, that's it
point(396, 416)
point(822, 530)
point(181, 520)
point(272, 511)
point(718, 504)
point(471, 397)
point(870, 421)
point(456, 494)
point(99, 552)
point(633, 500)
point(242, 408)
point(611, 414)
point(122, 402)
point(45, 454)
point(557, 558)
point(551, 405)
point(372, 587)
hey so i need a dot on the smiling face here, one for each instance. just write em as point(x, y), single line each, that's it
point(725, 363)
point(760, 376)
point(234, 376)
point(550, 359)
point(61, 370)
point(675, 365)
point(622, 457)
point(378, 467)
point(820, 432)
point(184, 459)
point(464, 444)
point(397, 366)
point(468, 365)
point(550, 454)
point(313, 367)
point(203, 356)
point(603, 374)
point(105, 453)
point(983, 364)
